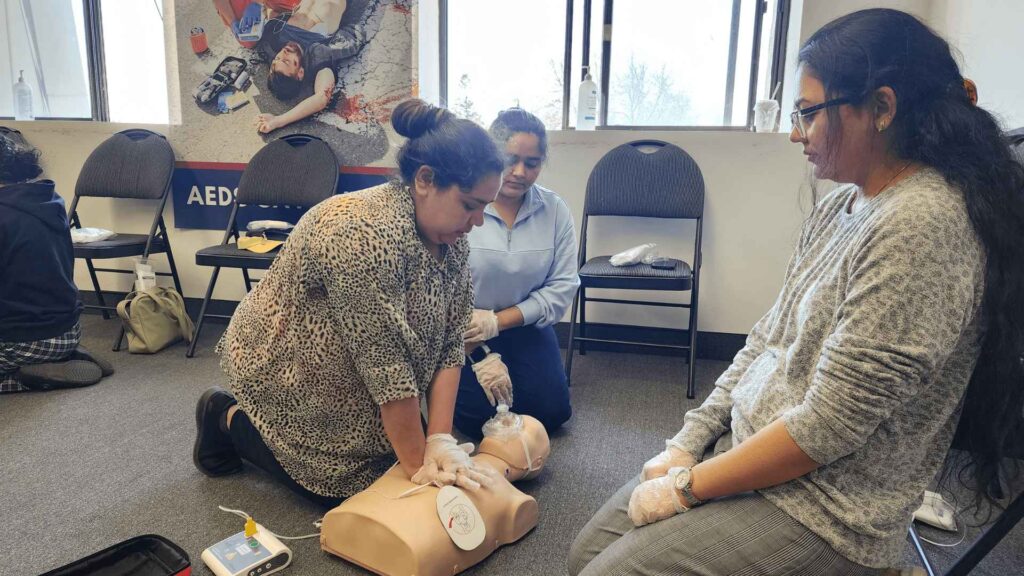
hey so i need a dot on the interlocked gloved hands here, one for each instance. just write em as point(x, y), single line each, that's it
point(673, 455)
point(482, 327)
point(447, 462)
point(493, 376)
point(656, 500)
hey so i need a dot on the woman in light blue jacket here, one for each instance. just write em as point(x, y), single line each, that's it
point(523, 261)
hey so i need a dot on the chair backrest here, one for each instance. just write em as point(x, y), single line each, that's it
point(130, 164)
point(628, 181)
point(296, 170)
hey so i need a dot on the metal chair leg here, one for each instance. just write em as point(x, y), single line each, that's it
point(96, 286)
point(120, 338)
point(174, 269)
point(691, 384)
point(583, 320)
point(988, 540)
point(248, 280)
point(572, 340)
point(202, 313)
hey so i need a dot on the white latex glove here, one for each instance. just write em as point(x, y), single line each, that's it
point(643, 253)
point(482, 327)
point(446, 462)
point(673, 455)
point(493, 376)
point(656, 500)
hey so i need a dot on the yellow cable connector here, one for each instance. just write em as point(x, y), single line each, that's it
point(250, 527)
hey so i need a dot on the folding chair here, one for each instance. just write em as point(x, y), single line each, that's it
point(981, 547)
point(296, 170)
point(1013, 513)
point(135, 164)
point(628, 181)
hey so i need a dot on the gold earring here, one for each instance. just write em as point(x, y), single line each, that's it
point(881, 126)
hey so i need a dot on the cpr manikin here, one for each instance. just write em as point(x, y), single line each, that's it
point(388, 533)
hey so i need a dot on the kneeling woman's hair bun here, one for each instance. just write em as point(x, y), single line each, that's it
point(459, 151)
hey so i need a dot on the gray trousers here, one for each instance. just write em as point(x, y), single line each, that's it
point(739, 535)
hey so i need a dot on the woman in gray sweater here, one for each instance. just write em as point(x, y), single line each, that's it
point(902, 313)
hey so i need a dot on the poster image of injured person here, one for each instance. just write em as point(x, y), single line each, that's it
point(331, 68)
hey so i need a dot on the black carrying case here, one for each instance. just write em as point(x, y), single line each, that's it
point(148, 555)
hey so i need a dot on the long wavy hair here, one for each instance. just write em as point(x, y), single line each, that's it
point(937, 125)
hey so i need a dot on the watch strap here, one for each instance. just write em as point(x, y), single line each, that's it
point(479, 353)
point(687, 488)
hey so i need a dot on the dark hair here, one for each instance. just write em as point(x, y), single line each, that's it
point(937, 126)
point(458, 151)
point(282, 86)
point(516, 120)
point(18, 162)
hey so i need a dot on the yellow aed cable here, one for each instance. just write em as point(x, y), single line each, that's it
point(250, 526)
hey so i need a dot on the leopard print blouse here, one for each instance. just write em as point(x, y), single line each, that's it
point(354, 313)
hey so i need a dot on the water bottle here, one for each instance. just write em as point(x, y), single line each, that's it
point(586, 116)
point(22, 98)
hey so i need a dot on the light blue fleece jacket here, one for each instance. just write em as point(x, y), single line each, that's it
point(532, 265)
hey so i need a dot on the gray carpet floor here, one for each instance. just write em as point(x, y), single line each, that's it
point(83, 469)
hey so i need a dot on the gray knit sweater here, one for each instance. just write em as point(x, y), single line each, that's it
point(865, 357)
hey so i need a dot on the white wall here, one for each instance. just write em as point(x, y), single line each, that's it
point(817, 13)
point(807, 16)
point(753, 213)
point(756, 183)
point(990, 37)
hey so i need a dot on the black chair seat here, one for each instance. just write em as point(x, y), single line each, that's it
point(599, 273)
point(231, 256)
point(119, 246)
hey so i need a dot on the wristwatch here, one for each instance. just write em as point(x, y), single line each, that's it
point(684, 483)
point(479, 353)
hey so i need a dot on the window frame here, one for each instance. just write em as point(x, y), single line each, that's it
point(95, 58)
point(776, 77)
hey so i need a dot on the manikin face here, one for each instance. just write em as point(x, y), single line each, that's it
point(289, 61)
point(523, 164)
point(443, 215)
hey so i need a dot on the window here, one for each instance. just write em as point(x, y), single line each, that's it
point(43, 42)
point(85, 59)
point(135, 61)
point(658, 63)
point(502, 54)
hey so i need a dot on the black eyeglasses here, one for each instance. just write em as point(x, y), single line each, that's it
point(798, 115)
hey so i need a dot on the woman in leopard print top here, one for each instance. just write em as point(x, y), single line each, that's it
point(361, 314)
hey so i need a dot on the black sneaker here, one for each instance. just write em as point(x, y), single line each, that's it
point(54, 375)
point(81, 353)
point(213, 452)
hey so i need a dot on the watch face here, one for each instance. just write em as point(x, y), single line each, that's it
point(682, 478)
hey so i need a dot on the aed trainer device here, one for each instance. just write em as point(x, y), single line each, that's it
point(252, 552)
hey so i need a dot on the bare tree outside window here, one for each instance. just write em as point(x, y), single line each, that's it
point(464, 106)
point(668, 63)
point(645, 97)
